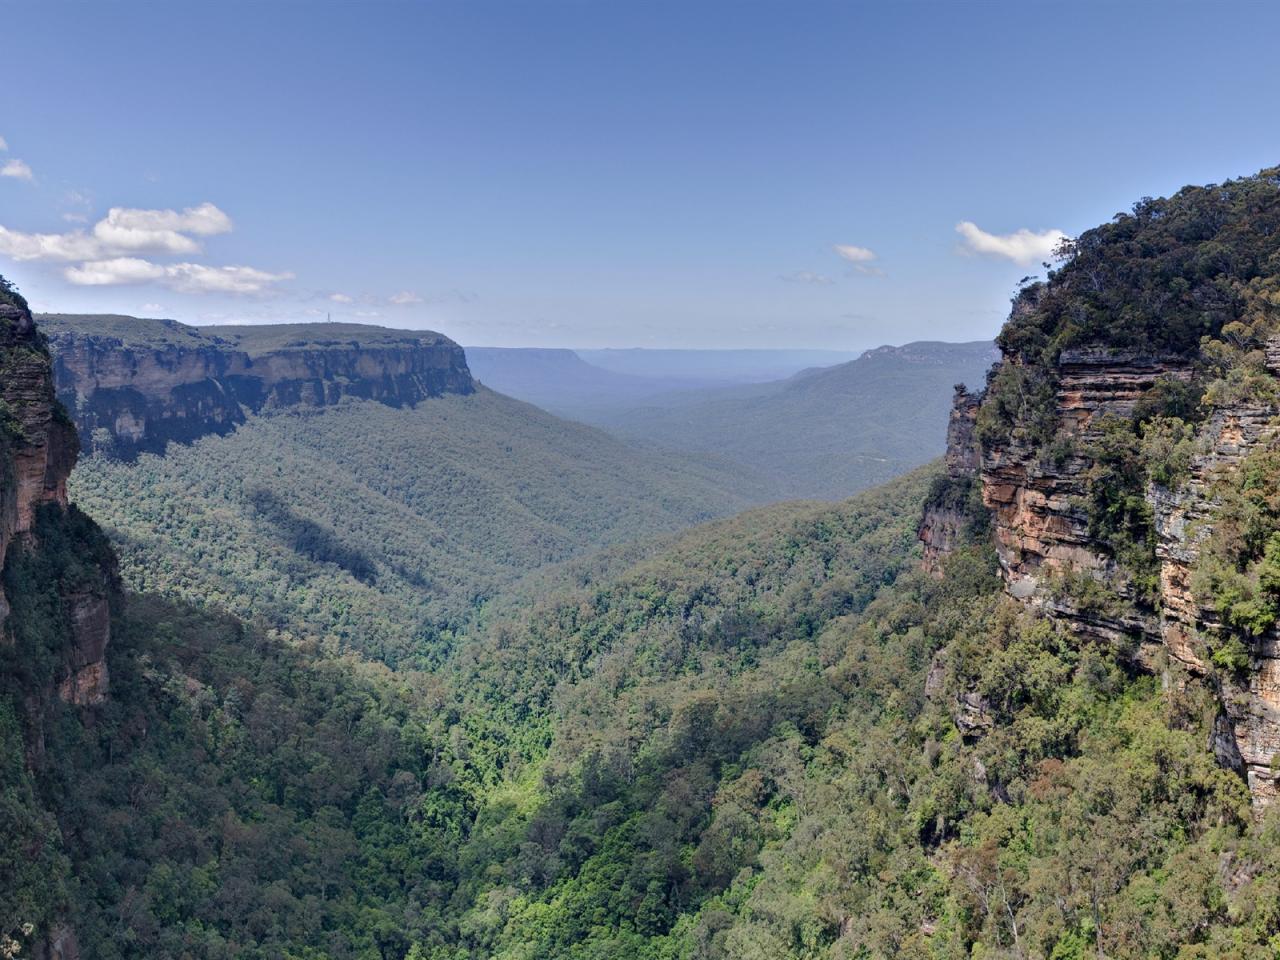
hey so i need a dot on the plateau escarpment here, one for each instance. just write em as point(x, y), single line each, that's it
point(38, 449)
point(135, 385)
point(1126, 448)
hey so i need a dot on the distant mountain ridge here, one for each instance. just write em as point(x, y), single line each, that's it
point(824, 433)
point(560, 380)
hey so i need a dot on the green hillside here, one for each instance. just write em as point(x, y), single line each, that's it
point(380, 526)
point(824, 433)
point(748, 742)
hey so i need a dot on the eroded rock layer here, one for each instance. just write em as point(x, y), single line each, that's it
point(1037, 494)
point(137, 385)
point(38, 449)
point(1041, 526)
point(946, 521)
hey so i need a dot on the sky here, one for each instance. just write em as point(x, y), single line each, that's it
point(604, 174)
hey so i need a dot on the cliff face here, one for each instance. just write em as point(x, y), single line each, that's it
point(37, 452)
point(136, 386)
point(1040, 525)
point(947, 519)
point(1041, 530)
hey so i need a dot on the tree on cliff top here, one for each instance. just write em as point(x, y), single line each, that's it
point(9, 294)
point(1160, 278)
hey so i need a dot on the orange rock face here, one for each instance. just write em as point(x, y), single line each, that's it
point(38, 452)
point(1183, 520)
point(943, 526)
point(1040, 528)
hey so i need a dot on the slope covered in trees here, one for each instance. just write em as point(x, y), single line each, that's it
point(773, 737)
point(383, 527)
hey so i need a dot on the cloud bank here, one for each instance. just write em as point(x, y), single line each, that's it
point(183, 277)
point(108, 254)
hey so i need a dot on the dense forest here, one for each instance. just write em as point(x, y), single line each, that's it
point(362, 710)
point(747, 745)
point(380, 527)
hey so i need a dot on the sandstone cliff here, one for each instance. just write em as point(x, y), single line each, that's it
point(1040, 526)
point(948, 515)
point(136, 385)
point(1128, 450)
point(38, 448)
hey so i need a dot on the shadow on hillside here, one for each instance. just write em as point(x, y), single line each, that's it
point(309, 539)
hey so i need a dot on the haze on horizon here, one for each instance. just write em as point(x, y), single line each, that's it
point(718, 175)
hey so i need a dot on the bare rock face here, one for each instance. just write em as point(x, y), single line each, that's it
point(134, 386)
point(1041, 526)
point(1248, 733)
point(90, 615)
point(38, 449)
point(946, 521)
point(39, 445)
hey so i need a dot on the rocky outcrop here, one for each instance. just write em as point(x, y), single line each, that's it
point(948, 519)
point(39, 445)
point(1248, 734)
point(38, 449)
point(138, 385)
point(1041, 526)
point(1042, 534)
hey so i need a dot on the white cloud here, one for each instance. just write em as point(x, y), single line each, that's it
point(806, 276)
point(198, 278)
point(152, 308)
point(4, 144)
point(859, 259)
point(854, 254)
point(102, 273)
point(120, 233)
point(184, 277)
point(403, 298)
point(159, 231)
point(76, 245)
point(205, 220)
point(17, 169)
point(341, 298)
point(1022, 246)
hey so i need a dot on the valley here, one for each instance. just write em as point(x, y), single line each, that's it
point(343, 640)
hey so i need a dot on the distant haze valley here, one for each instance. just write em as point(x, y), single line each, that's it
point(758, 425)
point(808, 424)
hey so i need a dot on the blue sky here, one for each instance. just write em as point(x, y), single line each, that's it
point(603, 173)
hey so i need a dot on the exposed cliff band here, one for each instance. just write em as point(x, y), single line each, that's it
point(134, 386)
point(39, 449)
point(1128, 449)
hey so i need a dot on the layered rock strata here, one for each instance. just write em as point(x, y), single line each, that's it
point(38, 449)
point(946, 523)
point(130, 394)
point(1040, 527)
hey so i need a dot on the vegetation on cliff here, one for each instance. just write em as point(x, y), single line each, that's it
point(1192, 281)
point(772, 738)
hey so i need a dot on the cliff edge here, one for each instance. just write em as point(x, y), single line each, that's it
point(1126, 451)
point(135, 385)
point(59, 575)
